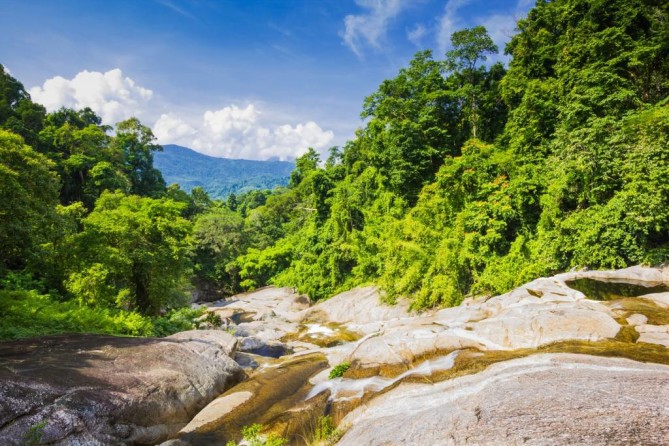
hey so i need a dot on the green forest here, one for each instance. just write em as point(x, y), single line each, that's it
point(468, 178)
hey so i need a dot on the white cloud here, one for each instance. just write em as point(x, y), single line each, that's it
point(370, 28)
point(449, 23)
point(501, 27)
point(416, 35)
point(110, 95)
point(171, 128)
point(235, 132)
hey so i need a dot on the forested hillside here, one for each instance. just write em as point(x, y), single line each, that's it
point(473, 178)
point(467, 177)
point(219, 177)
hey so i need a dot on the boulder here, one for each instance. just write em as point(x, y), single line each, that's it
point(91, 389)
point(542, 399)
point(653, 334)
point(360, 309)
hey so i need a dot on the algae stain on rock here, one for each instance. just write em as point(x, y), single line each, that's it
point(605, 290)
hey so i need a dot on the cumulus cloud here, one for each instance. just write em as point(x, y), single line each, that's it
point(171, 128)
point(111, 95)
point(239, 132)
point(370, 28)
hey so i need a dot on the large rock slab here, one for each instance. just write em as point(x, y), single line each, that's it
point(360, 309)
point(538, 400)
point(94, 390)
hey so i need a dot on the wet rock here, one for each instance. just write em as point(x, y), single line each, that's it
point(88, 389)
point(538, 400)
point(269, 393)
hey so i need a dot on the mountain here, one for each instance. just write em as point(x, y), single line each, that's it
point(219, 176)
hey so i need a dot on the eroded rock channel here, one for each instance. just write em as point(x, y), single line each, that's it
point(543, 364)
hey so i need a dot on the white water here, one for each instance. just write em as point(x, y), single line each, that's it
point(318, 329)
point(344, 389)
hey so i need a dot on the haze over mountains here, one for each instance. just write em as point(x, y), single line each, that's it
point(219, 176)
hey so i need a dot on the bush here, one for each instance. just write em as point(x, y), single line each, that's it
point(28, 314)
point(339, 370)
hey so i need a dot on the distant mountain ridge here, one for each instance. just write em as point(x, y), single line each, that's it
point(219, 176)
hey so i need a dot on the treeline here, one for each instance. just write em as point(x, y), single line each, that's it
point(466, 178)
point(470, 178)
point(91, 239)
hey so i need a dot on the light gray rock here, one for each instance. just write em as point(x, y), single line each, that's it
point(654, 334)
point(88, 389)
point(360, 309)
point(539, 400)
point(633, 273)
point(636, 319)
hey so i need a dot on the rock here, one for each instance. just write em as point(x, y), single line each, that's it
point(661, 299)
point(90, 389)
point(360, 309)
point(636, 319)
point(518, 319)
point(631, 274)
point(539, 400)
point(654, 334)
point(532, 326)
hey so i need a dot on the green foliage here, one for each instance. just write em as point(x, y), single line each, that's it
point(136, 142)
point(34, 435)
point(326, 432)
point(465, 179)
point(28, 314)
point(339, 370)
point(253, 437)
point(133, 253)
point(29, 190)
point(468, 179)
point(177, 320)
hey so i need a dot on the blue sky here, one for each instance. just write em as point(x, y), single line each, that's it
point(237, 78)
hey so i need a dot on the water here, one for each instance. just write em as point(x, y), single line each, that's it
point(610, 290)
point(342, 389)
point(271, 350)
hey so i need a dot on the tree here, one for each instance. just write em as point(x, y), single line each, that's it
point(134, 253)
point(29, 191)
point(469, 47)
point(219, 237)
point(303, 165)
point(18, 113)
point(136, 142)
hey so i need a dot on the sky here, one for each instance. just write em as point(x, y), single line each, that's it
point(254, 79)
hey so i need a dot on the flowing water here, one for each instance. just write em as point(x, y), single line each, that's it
point(348, 389)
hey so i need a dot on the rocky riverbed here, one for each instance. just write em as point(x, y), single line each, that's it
point(543, 364)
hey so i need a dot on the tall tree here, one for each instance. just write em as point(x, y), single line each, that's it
point(137, 143)
point(470, 46)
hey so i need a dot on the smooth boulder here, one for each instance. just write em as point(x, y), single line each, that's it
point(91, 389)
point(542, 399)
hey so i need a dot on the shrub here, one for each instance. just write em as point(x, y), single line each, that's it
point(339, 370)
